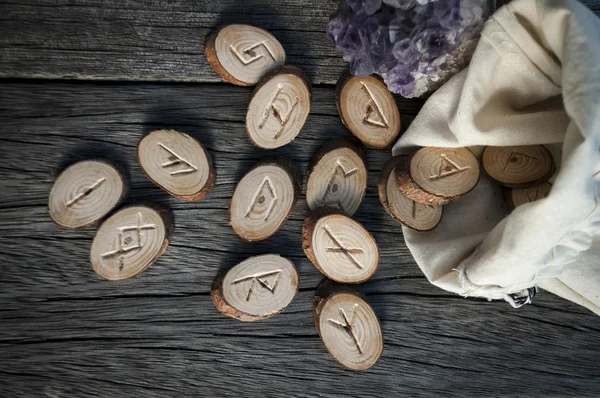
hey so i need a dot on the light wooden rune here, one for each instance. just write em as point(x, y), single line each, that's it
point(283, 119)
point(260, 278)
point(373, 105)
point(347, 325)
point(251, 53)
point(127, 244)
point(332, 187)
point(86, 192)
point(340, 248)
point(259, 199)
point(447, 168)
point(176, 159)
point(513, 158)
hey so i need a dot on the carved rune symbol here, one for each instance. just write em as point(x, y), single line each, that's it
point(86, 192)
point(248, 55)
point(261, 278)
point(534, 194)
point(347, 325)
point(125, 243)
point(175, 159)
point(333, 187)
point(373, 106)
point(340, 248)
point(447, 168)
point(514, 159)
point(283, 119)
point(260, 198)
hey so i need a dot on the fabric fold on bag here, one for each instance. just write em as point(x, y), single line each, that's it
point(533, 79)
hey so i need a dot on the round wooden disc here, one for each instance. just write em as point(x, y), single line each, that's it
point(337, 176)
point(445, 172)
point(349, 328)
point(177, 163)
point(408, 212)
point(279, 107)
point(243, 54)
point(341, 248)
point(412, 191)
point(368, 109)
point(262, 200)
point(86, 192)
point(520, 196)
point(518, 166)
point(256, 288)
point(130, 240)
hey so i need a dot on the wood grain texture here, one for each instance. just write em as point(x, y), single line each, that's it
point(153, 40)
point(66, 332)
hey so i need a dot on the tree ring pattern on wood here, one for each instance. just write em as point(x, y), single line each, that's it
point(85, 192)
point(278, 108)
point(177, 163)
point(257, 288)
point(337, 178)
point(518, 166)
point(369, 110)
point(409, 213)
point(521, 196)
point(445, 172)
point(243, 54)
point(262, 201)
point(350, 330)
point(342, 249)
point(129, 241)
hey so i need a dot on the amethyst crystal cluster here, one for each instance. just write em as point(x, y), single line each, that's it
point(415, 45)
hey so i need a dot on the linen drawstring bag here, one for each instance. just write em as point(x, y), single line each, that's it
point(533, 79)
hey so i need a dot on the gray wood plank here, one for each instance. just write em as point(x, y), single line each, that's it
point(153, 40)
point(156, 40)
point(66, 332)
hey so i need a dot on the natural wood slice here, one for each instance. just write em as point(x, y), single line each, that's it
point(412, 191)
point(518, 166)
point(86, 192)
point(341, 248)
point(131, 240)
point(177, 163)
point(406, 211)
point(368, 109)
point(257, 288)
point(348, 326)
point(337, 176)
point(279, 107)
point(243, 54)
point(435, 176)
point(519, 196)
point(263, 199)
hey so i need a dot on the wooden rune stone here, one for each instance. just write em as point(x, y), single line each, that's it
point(348, 326)
point(243, 54)
point(86, 192)
point(518, 166)
point(435, 176)
point(341, 248)
point(131, 240)
point(257, 288)
point(279, 107)
point(263, 200)
point(368, 109)
point(337, 176)
point(516, 197)
point(177, 163)
point(406, 211)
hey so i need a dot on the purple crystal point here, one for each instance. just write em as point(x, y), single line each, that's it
point(415, 45)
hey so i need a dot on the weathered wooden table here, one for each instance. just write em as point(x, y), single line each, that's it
point(89, 78)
